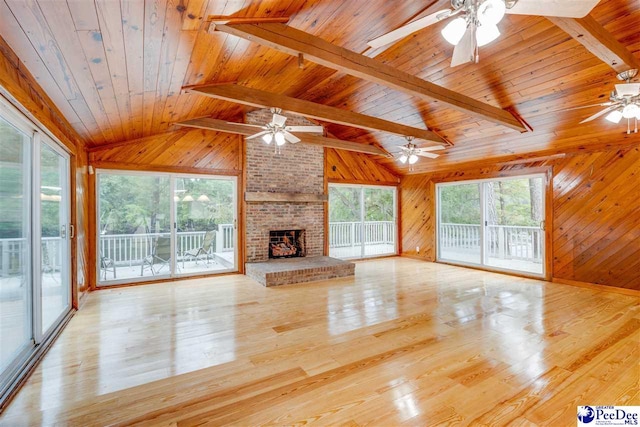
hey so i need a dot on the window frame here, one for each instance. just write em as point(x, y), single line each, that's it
point(544, 175)
point(173, 273)
point(362, 187)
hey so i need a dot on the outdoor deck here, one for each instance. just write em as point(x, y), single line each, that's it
point(370, 250)
point(507, 247)
point(12, 308)
point(222, 261)
point(473, 258)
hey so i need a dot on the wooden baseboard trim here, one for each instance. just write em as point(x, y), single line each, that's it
point(416, 257)
point(604, 288)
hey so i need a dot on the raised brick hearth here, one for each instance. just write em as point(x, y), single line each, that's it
point(285, 271)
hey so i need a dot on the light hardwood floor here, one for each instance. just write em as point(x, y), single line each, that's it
point(404, 342)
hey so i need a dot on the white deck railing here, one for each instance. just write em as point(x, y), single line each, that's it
point(123, 249)
point(503, 241)
point(343, 234)
point(131, 249)
point(13, 252)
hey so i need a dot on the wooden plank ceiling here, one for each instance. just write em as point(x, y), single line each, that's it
point(117, 69)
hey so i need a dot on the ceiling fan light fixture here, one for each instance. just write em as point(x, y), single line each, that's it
point(412, 159)
point(614, 117)
point(630, 111)
point(403, 159)
point(491, 12)
point(280, 138)
point(454, 30)
point(485, 34)
point(267, 137)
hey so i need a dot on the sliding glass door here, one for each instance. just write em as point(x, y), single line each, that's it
point(16, 290)
point(460, 223)
point(35, 288)
point(515, 224)
point(134, 220)
point(54, 236)
point(205, 215)
point(497, 223)
point(164, 225)
point(362, 221)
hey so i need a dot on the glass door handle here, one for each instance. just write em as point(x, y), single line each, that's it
point(542, 224)
point(72, 231)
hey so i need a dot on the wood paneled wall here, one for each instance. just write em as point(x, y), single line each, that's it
point(595, 213)
point(22, 89)
point(596, 218)
point(193, 150)
point(82, 222)
point(417, 216)
point(356, 168)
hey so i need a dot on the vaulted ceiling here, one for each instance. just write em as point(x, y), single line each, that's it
point(117, 71)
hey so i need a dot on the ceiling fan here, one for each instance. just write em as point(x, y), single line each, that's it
point(276, 130)
point(409, 152)
point(476, 23)
point(624, 102)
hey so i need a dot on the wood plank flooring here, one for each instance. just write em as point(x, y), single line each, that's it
point(404, 342)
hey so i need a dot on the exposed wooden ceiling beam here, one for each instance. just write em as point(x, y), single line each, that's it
point(214, 20)
point(259, 98)
point(315, 49)
point(589, 33)
point(245, 130)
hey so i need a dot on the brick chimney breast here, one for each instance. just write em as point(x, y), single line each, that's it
point(296, 168)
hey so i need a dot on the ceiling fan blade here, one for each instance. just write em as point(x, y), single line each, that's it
point(291, 137)
point(278, 120)
point(429, 155)
point(560, 8)
point(628, 89)
point(408, 29)
point(602, 104)
point(465, 51)
point(246, 124)
point(600, 113)
point(257, 135)
point(432, 148)
point(315, 129)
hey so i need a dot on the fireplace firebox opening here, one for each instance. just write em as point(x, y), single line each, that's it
point(287, 243)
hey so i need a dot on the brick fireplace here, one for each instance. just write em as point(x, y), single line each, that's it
point(284, 211)
point(296, 169)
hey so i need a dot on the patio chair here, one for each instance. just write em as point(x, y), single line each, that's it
point(107, 265)
point(204, 249)
point(161, 256)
